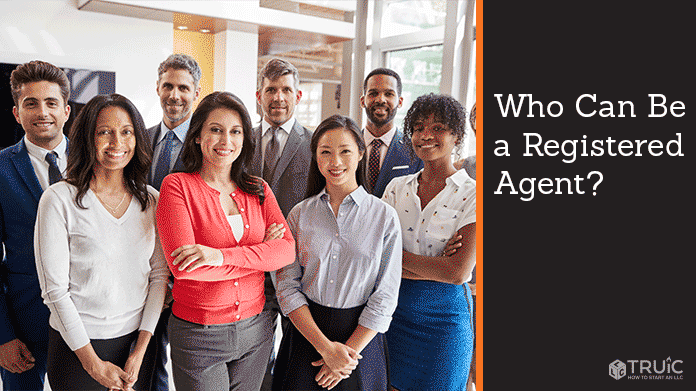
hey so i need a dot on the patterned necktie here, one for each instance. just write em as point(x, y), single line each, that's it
point(53, 170)
point(164, 160)
point(271, 158)
point(373, 162)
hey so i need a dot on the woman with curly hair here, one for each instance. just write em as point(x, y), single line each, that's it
point(99, 261)
point(430, 337)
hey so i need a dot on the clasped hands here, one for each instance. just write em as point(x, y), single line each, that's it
point(190, 257)
point(337, 363)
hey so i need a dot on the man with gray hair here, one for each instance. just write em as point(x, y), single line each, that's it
point(282, 153)
point(178, 88)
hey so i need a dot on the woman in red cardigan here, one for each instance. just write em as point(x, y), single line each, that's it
point(220, 228)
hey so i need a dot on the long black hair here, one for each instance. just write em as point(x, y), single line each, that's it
point(192, 156)
point(83, 151)
point(315, 180)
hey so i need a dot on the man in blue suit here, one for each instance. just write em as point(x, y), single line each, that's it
point(388, 155)
point(40, 92)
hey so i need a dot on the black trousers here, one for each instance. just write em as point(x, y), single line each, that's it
point(65, 370)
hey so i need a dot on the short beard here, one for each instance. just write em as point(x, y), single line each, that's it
point(380, 122)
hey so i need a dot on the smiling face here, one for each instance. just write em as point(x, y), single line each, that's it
point(42, 112)
point(337, 157)
point(177, 93)
point(380, 102)
point(278, 99)
point(221, 139)
point(432, 139)
point(114, 139)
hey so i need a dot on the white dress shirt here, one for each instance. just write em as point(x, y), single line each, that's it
point(386, 141)
point(37, 157)
point(283, 136)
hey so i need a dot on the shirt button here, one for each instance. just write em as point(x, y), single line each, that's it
point(336, 235)
point(233, 194)
point(236, 283)
point(331, 281)
point(247, 226)
point(236, 303)
point(241, 210)
point(334, 257)
point(237, 316)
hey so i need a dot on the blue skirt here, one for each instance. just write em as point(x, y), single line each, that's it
point(430, 338)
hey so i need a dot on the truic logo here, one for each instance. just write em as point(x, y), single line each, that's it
point(667, 369)
point(617, 369)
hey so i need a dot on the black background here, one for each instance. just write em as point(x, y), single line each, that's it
point(574, 282)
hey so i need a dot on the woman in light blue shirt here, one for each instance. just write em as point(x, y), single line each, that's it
point(341, 290)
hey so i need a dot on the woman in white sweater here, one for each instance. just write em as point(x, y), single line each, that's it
point(100, 264)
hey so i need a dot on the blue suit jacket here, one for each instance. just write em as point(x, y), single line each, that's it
point(22, 312)
point(398, 162)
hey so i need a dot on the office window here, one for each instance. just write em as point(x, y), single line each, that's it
point(420, 70)
point(308, 111)
point(408, 16)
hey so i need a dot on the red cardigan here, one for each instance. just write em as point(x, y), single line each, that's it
point(189, 212)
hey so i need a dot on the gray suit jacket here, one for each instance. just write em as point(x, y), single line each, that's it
point(289, 183)
point(152, 136)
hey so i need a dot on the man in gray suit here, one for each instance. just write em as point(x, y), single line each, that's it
point(282, 154)
point(178, 88)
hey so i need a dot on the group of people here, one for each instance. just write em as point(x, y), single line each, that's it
point(196, 233)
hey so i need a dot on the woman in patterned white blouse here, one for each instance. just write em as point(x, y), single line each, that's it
point(430, 338)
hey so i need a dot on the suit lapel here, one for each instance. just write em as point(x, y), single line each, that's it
point(256, 162)
point(20, 158)
point(289, 151)
point(389, 159)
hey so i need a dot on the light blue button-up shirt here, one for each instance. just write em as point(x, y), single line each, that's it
point(178, 143)
point(344, 260)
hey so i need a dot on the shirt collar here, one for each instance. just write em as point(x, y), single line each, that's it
point(358, 195)
point(458, 178)
point(386, 138)
point(287, 126)
point(180, 131)
point(40, 153)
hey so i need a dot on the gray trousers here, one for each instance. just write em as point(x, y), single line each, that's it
point(224, 357)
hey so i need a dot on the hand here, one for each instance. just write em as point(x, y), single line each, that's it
point(132, 368)
point(274, 231)
point(328, 378)
point(339, 357)
point(190, 257)
point(15, 357)
point(109, 375)
point(452, 245)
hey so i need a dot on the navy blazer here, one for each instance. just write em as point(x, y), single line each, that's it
point(289, 183)
point(23, 314)
point(399, 161)
point(152, 135)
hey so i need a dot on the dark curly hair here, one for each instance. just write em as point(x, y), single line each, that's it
point(446, 109)
point(83, 151)
point(192, 156)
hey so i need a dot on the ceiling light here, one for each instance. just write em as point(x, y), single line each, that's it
point(204, 30)
point(182, 28)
